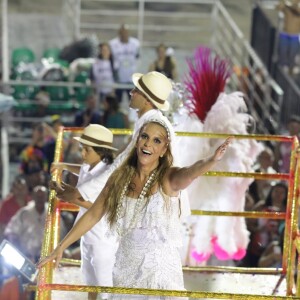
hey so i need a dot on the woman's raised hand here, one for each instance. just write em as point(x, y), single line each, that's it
point(219, 153)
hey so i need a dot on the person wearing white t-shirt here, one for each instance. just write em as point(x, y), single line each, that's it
point(98, 246)
point(102, 72)
point(125, 51)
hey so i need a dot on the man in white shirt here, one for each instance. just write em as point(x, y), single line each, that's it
point(125, 51)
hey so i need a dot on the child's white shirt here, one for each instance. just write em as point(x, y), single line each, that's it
point(89, 186)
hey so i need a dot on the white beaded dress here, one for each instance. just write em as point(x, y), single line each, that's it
point(148, 254)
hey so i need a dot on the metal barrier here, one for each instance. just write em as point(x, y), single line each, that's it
point(291, 240)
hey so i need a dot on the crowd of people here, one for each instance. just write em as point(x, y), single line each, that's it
point(108, 69)
point(109, 73)
point(270, 196)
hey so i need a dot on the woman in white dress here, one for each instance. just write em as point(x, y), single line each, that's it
point(141, 202)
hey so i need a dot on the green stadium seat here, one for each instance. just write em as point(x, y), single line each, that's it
point(60, 99)
point(24, 91)
point(52, 53)
point(58, 93)
point(19, 55)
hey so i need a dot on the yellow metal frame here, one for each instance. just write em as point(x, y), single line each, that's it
point(291, 236)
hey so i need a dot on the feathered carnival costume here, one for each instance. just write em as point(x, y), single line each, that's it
point(206, 108)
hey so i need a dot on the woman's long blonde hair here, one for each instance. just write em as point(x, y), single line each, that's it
point(122, 175)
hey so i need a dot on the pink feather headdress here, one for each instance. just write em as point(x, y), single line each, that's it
point(207, 77)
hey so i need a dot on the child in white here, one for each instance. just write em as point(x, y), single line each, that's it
point(97, 247)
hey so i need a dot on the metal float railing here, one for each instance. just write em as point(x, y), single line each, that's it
point(291, 236)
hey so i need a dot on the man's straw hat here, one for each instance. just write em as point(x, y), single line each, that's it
point(156, 87)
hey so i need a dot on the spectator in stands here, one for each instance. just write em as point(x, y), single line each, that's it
point(26, 228)
point(37, 143)
point(283, 149)
point(125, 51)
point(51, 132)
point(277, 197)
point(260, 189)
point(272, 256)
point(33, 161)
point(289, 45)
point(36, 176)
point(38, 135)
point(264, 231)
point(90, 115)
point(164, 63)
point(102, 72)
point(113, 117)
point(17, 198)
point(42, 99)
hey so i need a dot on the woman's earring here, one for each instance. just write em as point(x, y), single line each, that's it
point(161, 155)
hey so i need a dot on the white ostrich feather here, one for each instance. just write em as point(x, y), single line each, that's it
point(228, 115)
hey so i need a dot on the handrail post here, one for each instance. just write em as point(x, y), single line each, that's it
point(291, 224)
point(51, 230)
point(5, 79)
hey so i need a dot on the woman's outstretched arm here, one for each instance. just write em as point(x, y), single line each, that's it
point(180, 178)
point(84, 224)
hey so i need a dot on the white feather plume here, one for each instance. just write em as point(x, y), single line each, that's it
point(228, 115)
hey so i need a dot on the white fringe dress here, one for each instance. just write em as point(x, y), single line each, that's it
point(148, 254)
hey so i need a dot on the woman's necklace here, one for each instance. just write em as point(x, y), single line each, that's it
point(138, 204)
